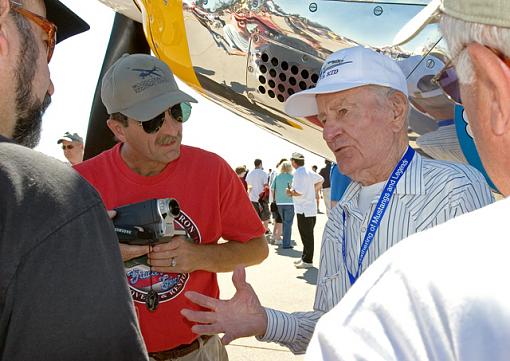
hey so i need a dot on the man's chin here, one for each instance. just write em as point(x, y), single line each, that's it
point(27, 131)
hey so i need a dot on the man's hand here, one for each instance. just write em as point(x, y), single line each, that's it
point(127, 251)
point(177, 256)
point(241, 316)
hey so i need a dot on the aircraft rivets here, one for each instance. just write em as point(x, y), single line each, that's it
point(430, 63)
point(251, 96)
point(378, 10)
point(250, 69)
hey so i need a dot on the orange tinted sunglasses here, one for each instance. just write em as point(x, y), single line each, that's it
point(49, 28)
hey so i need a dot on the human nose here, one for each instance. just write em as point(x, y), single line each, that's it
point(51, 88)
point(331, 130)
point(170, 125)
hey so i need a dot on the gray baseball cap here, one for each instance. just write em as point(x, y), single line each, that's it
point(70, 138)
point(140, 86)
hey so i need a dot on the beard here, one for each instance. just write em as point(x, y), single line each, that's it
point(29, 109)
point(27, 130)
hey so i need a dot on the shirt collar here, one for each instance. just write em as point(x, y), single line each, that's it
point(411, 183)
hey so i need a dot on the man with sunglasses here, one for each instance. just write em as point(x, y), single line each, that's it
point(147, 111)
point(449, 286)
point(72, 145)
point(62, 290)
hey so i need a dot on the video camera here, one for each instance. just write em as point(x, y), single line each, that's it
point(147, 223)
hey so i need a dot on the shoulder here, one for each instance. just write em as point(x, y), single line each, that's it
point(203, 161)
point(439, 171)
point(188, 151)
point(34, 185)
point(96, 162)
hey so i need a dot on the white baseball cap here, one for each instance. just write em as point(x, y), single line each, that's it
point(347, 69)
point(419, 74)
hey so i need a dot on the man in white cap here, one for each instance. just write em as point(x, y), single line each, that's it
point(72, 145)
point(303, 192)
point(428, 98)
point(443, 294)
point(147, 111)
point(62, 289)
point(361, 100)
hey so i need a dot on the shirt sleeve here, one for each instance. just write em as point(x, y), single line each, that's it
point(465, 194)
point(292, 330)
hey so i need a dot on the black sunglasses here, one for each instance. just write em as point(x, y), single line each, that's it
point(180, 112)
point(70, 146)
point(448, 81)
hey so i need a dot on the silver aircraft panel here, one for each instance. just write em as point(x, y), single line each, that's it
point(251, 55)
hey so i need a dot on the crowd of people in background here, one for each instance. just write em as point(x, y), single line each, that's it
point(275, 199)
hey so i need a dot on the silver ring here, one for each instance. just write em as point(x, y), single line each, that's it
point(173, 262)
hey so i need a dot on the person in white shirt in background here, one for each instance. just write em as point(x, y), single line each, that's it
point(443, 294)
point(257, 181)
point(303, 192)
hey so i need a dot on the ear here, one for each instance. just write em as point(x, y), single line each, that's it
point(493, 78)
point(5, 7)
point(399, 109)
point(117, 129)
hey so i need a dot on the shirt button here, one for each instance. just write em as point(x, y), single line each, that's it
point(363, 229)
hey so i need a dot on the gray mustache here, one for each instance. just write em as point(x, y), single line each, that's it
point(167, 139)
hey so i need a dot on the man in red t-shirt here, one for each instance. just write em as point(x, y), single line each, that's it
point(146, 114)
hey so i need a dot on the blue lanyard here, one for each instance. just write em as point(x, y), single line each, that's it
point(444, 123)
point(380, 209)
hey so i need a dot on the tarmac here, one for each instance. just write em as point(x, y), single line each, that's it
point(279, 285)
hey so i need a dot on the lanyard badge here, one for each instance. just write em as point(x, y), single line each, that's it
point(380, 209)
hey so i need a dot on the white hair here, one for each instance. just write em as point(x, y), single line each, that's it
point(459, 33)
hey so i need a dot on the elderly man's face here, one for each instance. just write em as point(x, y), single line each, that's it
point(32, 83)
point(356, 128)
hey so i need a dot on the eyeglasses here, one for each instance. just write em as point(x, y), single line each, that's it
point(448, 81)
point(70, 146)
point(43, 23)
point(180, 112)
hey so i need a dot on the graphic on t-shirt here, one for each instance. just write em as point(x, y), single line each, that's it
point(167, 285)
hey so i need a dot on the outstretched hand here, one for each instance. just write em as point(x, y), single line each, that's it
point(241, 316)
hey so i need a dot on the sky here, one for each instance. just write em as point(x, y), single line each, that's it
point(75, 68)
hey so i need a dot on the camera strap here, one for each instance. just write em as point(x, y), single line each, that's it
point(152, 300)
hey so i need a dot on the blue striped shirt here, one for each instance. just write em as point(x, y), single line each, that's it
point(429, 193)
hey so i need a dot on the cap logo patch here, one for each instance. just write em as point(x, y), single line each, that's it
point(150, 78)
point(329, 68)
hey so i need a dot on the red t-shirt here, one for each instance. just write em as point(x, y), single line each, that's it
point(213, 205)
